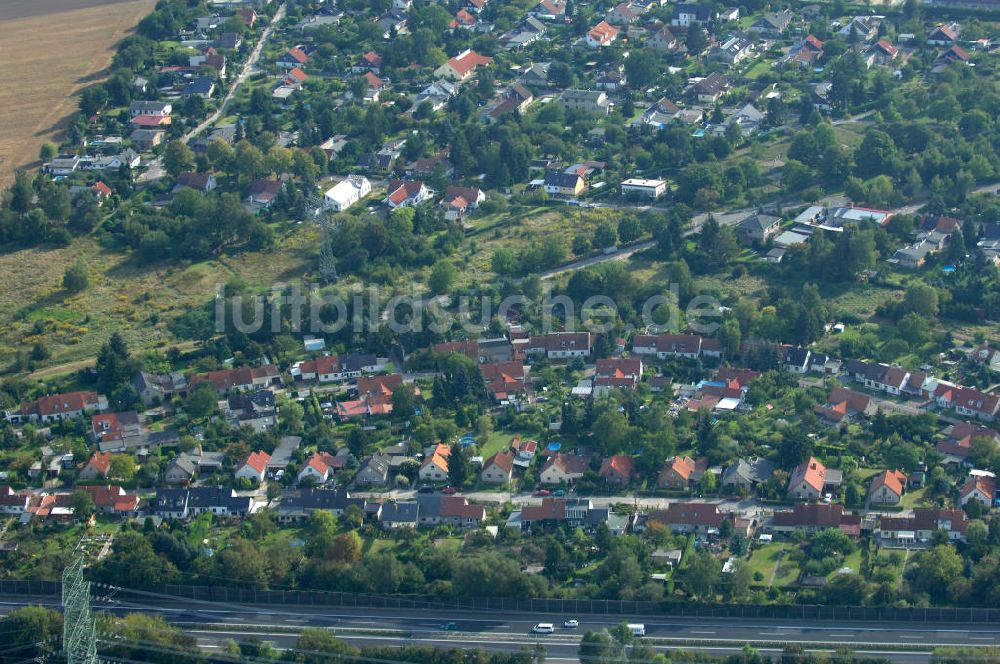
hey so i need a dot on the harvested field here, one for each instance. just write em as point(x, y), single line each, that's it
point(50, 50)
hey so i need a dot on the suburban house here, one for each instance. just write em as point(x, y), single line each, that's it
point(687, 14)
point(560, 345)
point(642, 188)
point(810, 478)
point(974, 403)
point(587, 101)
point(254, 467)
point(296, 507)
point(806, 53)
point(396, 515)
point(462, 66)
point(908, 530)
point(618, 469)
point(733, 51)
point(865, 28)
point(434, 467)
point(959, 439)
point(744, 475)
point(112, 500)
point(662, 40)
point(514, 99)
point(347, 192)
point(625, 13)
point(115, 426)
point(373, 471)
point(240, 379)
point(681, 472)
point(880, 53)
point(711, 88)
point(97, 467)
point(617, 373)
point(449, 510)
point(811, 518)
point(524, 34)
point(504, 379)
point(436, 94)
point(185, 503)
point(71, 405)
point(689, 346)
point(13, 502)
point(549, 10)
point(981, 488)
point(887, 488)
point(773, 23)
point(944, 35)
point(406, 193)
point(561, 468)
point(152, 108)
point(844, 403)
point(563, 184)
point(602, 34)
point(796, 359)
point(499, 468)
point(757, 229)
point(370, 61)
point(702, 519)
point(459, 201)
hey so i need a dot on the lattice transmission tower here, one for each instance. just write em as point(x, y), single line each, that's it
point(79, 628)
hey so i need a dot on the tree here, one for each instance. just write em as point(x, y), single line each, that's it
point(75, 278)
point(346, 548)
point(48, 151)
point(202, 402)
point(642, 68)
point(936, 568)
point(702, 575)
point(696, 41)
point(921, 299)
point(177, 158)
point(605, 235)
point(30, 632)
point(122, 468)
point(442, 276)
point(82, 504)
point(403, 401)
point(459, 467)
point(730, 336)
point(134, 564)
point(319, 646)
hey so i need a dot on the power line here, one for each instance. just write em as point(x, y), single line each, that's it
point(79, 629)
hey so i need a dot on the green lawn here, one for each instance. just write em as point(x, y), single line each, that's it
point(757, 70)
point(853, 561)
point(913, 498)
point(765, 558)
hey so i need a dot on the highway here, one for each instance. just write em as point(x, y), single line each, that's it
point(210, 623)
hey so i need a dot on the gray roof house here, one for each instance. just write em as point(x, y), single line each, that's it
point(758, 228)
point(744, 474)
point(400, 515)
point(373, 471)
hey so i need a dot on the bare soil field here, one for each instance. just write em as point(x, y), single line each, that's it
point(50, 49)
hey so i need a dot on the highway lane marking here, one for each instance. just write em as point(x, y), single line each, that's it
point(697, 631)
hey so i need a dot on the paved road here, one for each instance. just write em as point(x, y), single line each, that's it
point(245, 72)
point(211, 623)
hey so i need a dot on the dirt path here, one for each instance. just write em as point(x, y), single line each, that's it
point(777, 568)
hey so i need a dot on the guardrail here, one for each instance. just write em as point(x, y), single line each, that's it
point(314, 598)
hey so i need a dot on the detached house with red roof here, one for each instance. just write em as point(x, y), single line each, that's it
point(112, 500)
point(464, 20)
point(920, 527)
point(375, 87)
point(981, 488)
point(370, 61)
point(254, 467)
point(810, 478)
point(459, 201)
point(292, 58)
point(880, 53)
point(623, 373)
point(435, 465)
point(564, 468)
point(115, 426)
point(844, 403)
point(959, 439)
point(560, 345)
point(462, 66)
point(812, 518)
point(602, 34)
point(618, 469)
point(97, 467)
point(406, 193)
point(970, 402)
point(499, 468)
point(241, 379)
point(887, 488)
point(681, 472)
point(504, 379)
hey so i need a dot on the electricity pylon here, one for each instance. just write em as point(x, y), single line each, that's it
point(79, 629)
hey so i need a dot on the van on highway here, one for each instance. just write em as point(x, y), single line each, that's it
point(543, 628)
point(637, 629)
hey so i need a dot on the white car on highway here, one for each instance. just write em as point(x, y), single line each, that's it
point(543, 628)
point(571, 624)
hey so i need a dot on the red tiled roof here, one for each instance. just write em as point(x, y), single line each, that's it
point(297, 74)
point(692, 514)
point(113, 497)
point(298, 55)
point(551, 509)
point(985, 485)
point(603, 32)
point(372, 58)
point(503, 460)
point(619, 464)
point(57, 404)
point(102, 189)
point(374, 81)
point(101, 462)
point(464, 63)
point(258, 461)
point(891, 479)
point(812, 472)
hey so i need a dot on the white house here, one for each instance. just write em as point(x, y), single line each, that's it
point(640, 187)
point(347, 192)
point(254, 467)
